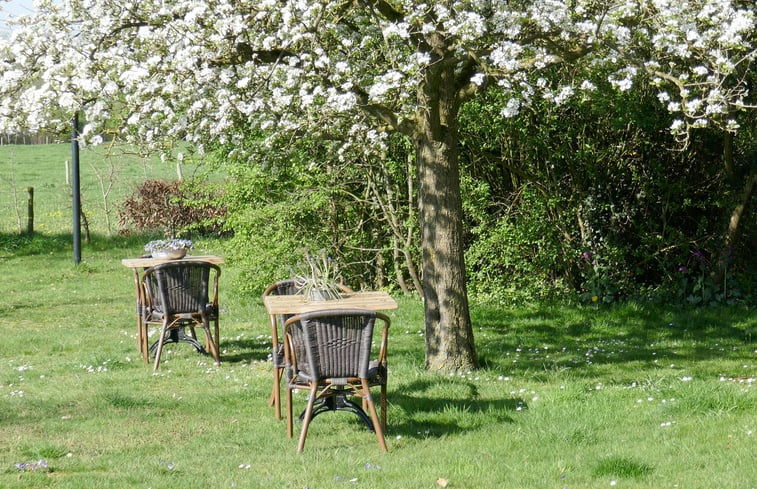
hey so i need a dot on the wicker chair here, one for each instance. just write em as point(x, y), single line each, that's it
point(177, 297)
point(282, 287)
point(329, 353)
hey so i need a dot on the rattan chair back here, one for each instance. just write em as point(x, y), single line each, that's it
point(179, 288)
point(333, 345)
point(330, 353)
point(180, 293)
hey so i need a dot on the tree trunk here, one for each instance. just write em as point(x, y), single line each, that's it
point(449, 333)
point(734, 226)
point(85, 224)
point(397, 270)
point(740, 210)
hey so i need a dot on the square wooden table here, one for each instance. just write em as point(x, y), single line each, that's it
point(138, 264)
point(297, 303)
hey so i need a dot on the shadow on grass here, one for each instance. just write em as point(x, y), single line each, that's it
point(241, 351)
point(245, 350)
point(440, 407)
point(624, 335)
point(12, 244)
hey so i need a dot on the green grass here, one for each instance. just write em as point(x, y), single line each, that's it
point(633, 396)
point(107, 176)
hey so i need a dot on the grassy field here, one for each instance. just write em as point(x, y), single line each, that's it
point(107, 176)
point(633, 396)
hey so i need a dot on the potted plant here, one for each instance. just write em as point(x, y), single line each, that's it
point(169, 249)
point(318, 278)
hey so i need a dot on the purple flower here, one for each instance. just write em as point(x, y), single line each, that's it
point(682, 268)
point(586, 255)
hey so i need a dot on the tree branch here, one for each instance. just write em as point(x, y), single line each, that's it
point(381, 112)
point(385, 9)
point(245, 52)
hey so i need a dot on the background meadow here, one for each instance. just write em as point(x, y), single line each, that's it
point(631, 395)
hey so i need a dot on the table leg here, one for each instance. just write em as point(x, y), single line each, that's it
point(176, 336)
point(141, 330)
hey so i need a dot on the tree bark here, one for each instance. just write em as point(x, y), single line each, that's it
point(397, 270)
point(449, 333)
point(740, 210)
point(734, 230)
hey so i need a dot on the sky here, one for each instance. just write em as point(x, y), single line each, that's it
point(13, 8)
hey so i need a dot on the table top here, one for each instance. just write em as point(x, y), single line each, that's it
point(297, 304)
point(151, 262)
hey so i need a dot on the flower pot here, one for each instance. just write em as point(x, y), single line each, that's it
point(169, 254)
point(318, 295)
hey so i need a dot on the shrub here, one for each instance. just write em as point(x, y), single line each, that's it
point(172, 208)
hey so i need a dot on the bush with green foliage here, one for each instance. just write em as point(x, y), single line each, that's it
point(603, 179)
point(301, 196)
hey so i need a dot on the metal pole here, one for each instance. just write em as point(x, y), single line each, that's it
point(30, 211)
point(75, 188)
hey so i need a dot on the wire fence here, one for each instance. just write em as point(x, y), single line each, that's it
point(105, 181)
point(45, 208)
point(23, 139)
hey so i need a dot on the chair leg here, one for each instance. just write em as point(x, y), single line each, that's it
point(159, 351)
point(211, 343)
point(308, 417)
point(383, 407)
point(374, 417)
point(217, 336)
point(275, 400)
point(290, 429)
point(143, 346)
point(140, 334)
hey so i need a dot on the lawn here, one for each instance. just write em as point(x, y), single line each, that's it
point(628, 396)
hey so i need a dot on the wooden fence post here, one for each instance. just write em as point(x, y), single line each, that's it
point(30, 211)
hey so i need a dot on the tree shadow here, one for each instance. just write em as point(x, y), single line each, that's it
point(245, 350)
point(625, 336)
point(443, 406)
point(13, 244)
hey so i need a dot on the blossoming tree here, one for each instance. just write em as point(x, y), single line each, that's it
point(211, 71)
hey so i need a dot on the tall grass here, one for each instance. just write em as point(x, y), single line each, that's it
point(633, 396)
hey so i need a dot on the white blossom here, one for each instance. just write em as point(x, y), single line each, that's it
point(478, 79)
point(512, 108)
point(563, 95)
point(194, 69)
point(400, 30)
